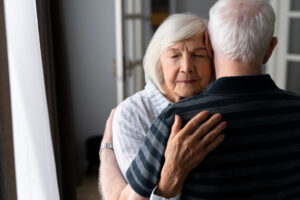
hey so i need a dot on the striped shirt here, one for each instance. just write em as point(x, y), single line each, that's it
point(260, 156)
point(132, 120)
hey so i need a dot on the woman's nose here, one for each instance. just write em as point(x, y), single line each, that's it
point(187, 65)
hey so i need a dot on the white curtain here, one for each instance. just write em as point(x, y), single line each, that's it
point(34, 158)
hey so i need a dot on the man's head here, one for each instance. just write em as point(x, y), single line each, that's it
point(242, 30)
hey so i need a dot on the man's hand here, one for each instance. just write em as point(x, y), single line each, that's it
point(186, 148)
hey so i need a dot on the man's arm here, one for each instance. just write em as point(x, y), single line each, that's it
point(177, 165)
point(186, 148)
point(112, 184)
point(185, 151)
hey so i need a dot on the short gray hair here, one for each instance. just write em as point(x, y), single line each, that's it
point(175, 28)
point(241, 29)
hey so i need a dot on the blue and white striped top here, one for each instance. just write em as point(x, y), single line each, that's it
point(132, 120)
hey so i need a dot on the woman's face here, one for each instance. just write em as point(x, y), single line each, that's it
point(186, 68)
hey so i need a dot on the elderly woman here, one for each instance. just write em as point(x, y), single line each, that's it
point(177, 65)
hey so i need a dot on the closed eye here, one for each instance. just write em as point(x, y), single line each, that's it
point(175, 56)
point(199, 55)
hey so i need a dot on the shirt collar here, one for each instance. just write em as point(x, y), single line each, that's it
point(159, 101)
point(241, 85)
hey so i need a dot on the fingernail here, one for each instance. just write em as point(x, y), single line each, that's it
point(176, 117)
point(224, 124)
point(206, 112)
point(219, 116)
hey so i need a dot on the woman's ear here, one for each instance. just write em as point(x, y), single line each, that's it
point(208, 44)
point(270, 49)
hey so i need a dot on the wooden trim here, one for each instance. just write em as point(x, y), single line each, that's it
point(294, 14)
point(293, 57)
point(7, 164)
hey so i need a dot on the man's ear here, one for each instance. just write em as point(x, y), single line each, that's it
point(208, 44)
point(272, 46)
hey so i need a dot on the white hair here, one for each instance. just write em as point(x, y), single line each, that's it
point(241, 29)
point(174, 29)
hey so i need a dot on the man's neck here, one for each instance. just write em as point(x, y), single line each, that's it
point(225, 67)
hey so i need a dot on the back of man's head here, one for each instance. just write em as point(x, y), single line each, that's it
point(241, 29)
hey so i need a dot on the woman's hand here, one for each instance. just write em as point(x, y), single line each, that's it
point(186, 148)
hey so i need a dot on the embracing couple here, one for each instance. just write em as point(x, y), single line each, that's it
point(209, 124)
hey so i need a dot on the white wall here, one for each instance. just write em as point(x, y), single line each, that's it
point(90, 37)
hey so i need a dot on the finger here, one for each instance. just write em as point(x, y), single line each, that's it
point(207, 139)
point(176, 126)
point(203, 152)
point(194, 122)
point(206, 126)
point(216, 142)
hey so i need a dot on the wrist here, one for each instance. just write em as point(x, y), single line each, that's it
point(106, 154)
point(105, 146)
point(170, 183)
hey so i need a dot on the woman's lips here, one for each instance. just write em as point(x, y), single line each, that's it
point(186, 81)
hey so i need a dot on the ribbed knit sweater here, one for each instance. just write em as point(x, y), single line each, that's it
point(260, 156)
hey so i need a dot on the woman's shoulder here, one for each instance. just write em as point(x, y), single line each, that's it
point(134, 106)
point(133, 103)
point(132, 115)
point(143, 107)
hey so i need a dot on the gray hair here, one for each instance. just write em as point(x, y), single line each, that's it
point(241, 29)
point(174, 29)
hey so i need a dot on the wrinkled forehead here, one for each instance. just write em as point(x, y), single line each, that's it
point(193, 43)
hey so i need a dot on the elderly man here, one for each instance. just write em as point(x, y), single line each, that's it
point(259, 158)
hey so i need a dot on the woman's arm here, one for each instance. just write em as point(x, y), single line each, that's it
point(112, 184)
point(110, 175)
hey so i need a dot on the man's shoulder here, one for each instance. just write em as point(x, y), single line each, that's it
point(185, 106)
point(190, 106)
point(286, 97)
point(193, 102)
point(289, 94)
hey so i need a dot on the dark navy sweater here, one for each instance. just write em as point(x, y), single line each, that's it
point(260, 156)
